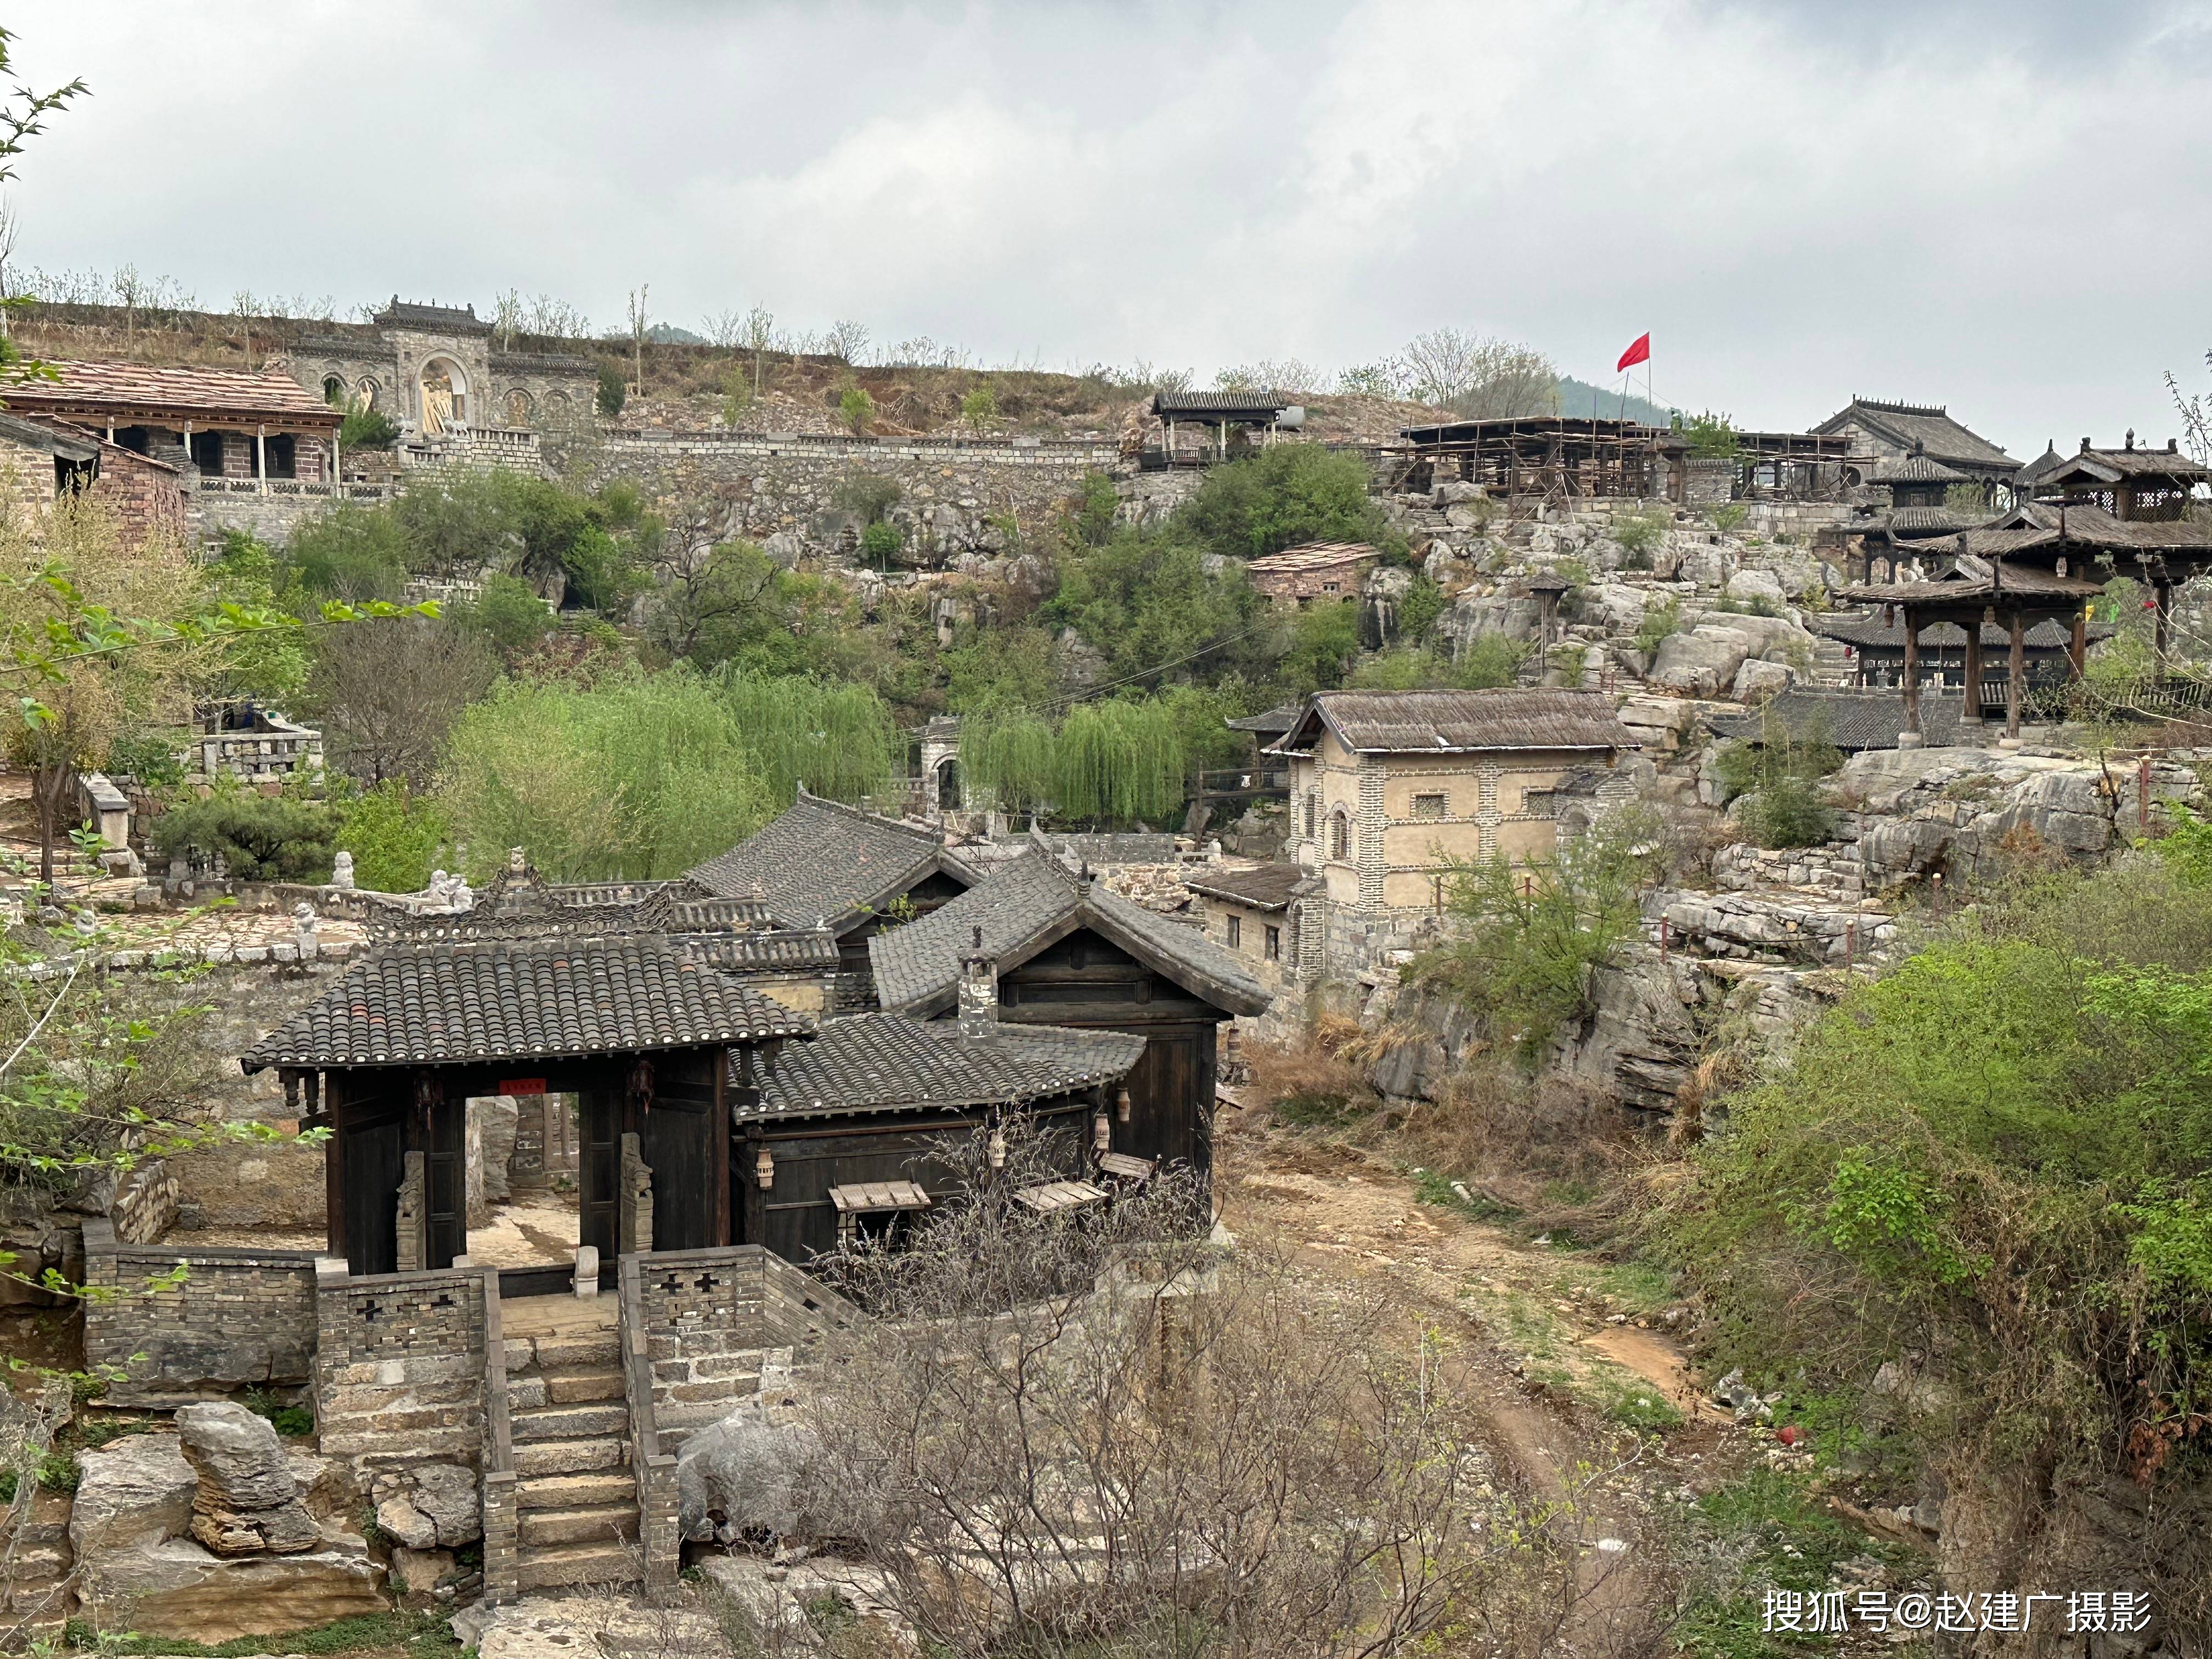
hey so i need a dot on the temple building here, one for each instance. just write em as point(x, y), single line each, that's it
point(435, 368)
point(1892, 432)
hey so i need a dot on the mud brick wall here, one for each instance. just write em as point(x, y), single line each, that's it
point(240, 1319)
point(723, 1326)
point(399, 1367)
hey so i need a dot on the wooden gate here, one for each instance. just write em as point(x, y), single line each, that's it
point(1171, 1098)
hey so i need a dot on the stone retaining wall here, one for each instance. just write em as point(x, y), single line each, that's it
point(725, 1326)
point(400, 1366)
point(238, 1319)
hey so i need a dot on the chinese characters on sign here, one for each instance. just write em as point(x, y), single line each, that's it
point(1830, 1613)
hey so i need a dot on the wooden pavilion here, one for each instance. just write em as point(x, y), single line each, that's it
point(1978, 593)
point(526, 994)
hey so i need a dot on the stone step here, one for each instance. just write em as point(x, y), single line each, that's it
point(577, 1564)
point(570, 1388)
point(600, 1524)
point(571, 1456)
point(575, 1491)
point(593, 1349)
point(571, 1422)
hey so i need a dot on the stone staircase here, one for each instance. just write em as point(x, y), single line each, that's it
point(575, 1493)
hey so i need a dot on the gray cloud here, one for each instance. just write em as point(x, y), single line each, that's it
point(2002, 207)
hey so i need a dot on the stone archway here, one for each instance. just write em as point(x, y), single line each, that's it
point(518, 407)
point(444, 388)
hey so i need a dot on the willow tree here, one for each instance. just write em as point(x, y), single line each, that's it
point(1120, 762)
point(1015, 760)
point(838, 740)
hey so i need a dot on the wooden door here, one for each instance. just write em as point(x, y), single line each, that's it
point(374, 1136)
point(1171, 1098)
point(686, 1144)
point(444, 1164)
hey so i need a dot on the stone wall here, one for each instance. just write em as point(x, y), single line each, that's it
point(399, 1367)
point(776, 488)
point(217, 505)
point(238, 1318)
point(145, 1203)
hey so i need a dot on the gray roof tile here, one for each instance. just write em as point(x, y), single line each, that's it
point(1448, 721)
point(822, 860)
point(872, 1062)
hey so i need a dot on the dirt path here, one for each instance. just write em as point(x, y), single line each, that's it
point(1542, 1352)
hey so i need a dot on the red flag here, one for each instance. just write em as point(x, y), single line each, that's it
point(1638, 352)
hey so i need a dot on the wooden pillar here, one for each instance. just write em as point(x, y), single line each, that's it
point(2164, 591)
point(2016, 672)
point(1911, 680)
point(261, 457)
point(2078, 650)
point(1972, 711)
point(334, 1170)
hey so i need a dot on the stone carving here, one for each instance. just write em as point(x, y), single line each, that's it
point(636, 1221)
point(412, 1213)
point(303, 930)
point(342, 871)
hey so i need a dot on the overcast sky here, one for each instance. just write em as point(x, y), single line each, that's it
point(2004, 208)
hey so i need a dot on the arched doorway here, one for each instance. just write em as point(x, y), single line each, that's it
point(948, 784)
point(445, 396)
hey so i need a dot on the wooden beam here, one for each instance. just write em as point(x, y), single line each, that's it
point(1970, 712)
point(1912, 675)
point(2016, 672)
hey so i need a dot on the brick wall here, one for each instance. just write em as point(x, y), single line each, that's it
point(27, 484)
point(240, 1319)
point(147, 498)
point(723, 1326)
point(145, 1203)
point(399, 1367)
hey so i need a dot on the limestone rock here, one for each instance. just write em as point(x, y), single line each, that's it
point(420, 1570)
point(177, 1589)
point(1639, 1042)
point(1751, 586)
point(248, 1499)
point(447, 1494)
point(132, 1493)
point(1756, 681)
point(743, 1476)
point(1702, 661)
point(397, 1518)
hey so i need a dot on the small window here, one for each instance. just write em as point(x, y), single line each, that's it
point(1272, 945)
point(334, 391)
point(1236, 933)
point(1313, 810)
point(1340, 837)
point(1428, 806)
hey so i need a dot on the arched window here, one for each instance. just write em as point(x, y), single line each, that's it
point(1313, 811)
point(1340, 835)
point(334, 391)
point(517, 407)
point(369, 391)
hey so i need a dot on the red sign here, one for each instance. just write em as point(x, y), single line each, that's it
point(523, 1085)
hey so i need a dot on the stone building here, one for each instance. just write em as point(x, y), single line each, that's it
point(41, 463)
point(432, 368)
point(1387, 787)
point(1892, 432)
point(1297, 576)
point(1255, 915)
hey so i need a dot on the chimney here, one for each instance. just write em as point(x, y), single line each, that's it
point(979, 993)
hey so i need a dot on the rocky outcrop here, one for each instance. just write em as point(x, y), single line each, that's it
point(160, 1521)
point(1639, 1040)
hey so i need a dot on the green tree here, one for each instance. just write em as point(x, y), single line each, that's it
point(980, 408)
point(614, 391)
point(508, 612)
point(838, 740)
point(1284, 495)
point(1779, 778)
point(1120, 762)
point(367, 428)
point(396, 837)
point(880, 543)
point(856, 408)
point(1147, 601)
point(258, 837)
point(1324, 643)
point(1711, 436)
point(351, 553)
point(1013, 758)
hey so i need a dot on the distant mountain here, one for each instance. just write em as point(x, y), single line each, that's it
point(1582, 400)
point(669, 334)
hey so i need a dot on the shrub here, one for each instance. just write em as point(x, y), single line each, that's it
point(866, 496)
point(856, 408)
point(737, 395)
point(368, 429)
point(352, 552)
point(881, 541)
point(1713, 436)
point(259, 837)
point(1659, 621)
point(508, 611)
point(1639, 533)
point(148, 756)
point(396, 838)
point(980, 408)
point(1284, 495)
point(614, 391)
point(1779, 778)
point(1729, 517)
point(1418, 610)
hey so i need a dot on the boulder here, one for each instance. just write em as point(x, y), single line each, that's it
point(420, 1570)
point(1756, 681)
point(1639, 1042)
point(132, 1493)
point(1473, 615)
point(447, 1494)
point(1453, 491)
point(1702, 661)
point(248, 1499)
point(497, 1117)
point(1755, 586)
point(398, 1519)
point(743, 1476)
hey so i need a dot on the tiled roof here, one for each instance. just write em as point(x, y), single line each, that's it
point(70, 442)
point(1022, 906)
point(1276, 720)
point(187, 390)
point(1975, 579)
point(1263, 405)
point(1929, 429)
point(1314, 555)
point(2111, 465)
point(1448, 721)
point(436, 319)
point(1270, 887)
point(1928, 521)
point(2049, 634)
point(781, 949)
point(1916, 469)
point(874, 1062)
point(823, 861)
point(498, 1000)
point(1852, 720)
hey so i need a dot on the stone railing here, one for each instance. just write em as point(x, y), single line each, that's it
point(1017, 451)
point(659, 1530)
point(212, 485)
point(502, 1557)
